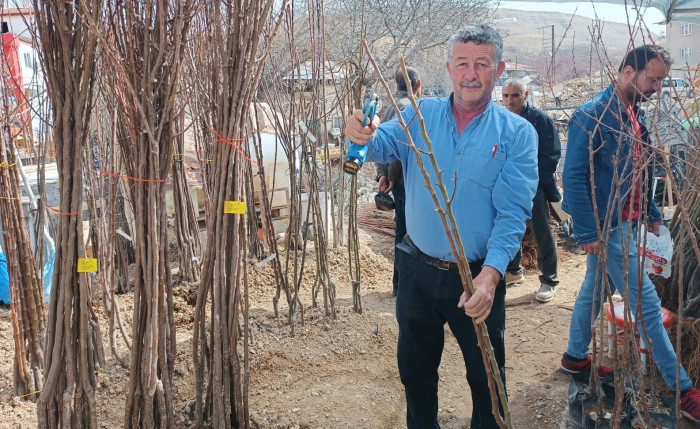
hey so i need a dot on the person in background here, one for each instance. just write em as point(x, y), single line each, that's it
point(390, 176)
point(557, 98)
point(610, 130)
point(488, 160)
point(515, 96)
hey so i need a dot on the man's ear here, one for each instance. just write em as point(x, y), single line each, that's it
point(628, 72)
point(527, 93)
point(501, 68)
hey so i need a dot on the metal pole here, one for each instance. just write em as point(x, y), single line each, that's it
point(552, 54)
point(32, 200)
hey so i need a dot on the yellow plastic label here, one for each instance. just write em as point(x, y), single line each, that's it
point(234, 207)
point(87, 265)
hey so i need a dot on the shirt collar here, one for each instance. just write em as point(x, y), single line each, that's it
point(448, 107)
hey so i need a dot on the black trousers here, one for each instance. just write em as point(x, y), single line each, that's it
point(546, 244)
point(427, 299)
point(399, 194)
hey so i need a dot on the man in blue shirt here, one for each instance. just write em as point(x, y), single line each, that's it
point(488, 160)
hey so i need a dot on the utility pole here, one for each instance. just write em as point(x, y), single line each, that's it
point(551, 52)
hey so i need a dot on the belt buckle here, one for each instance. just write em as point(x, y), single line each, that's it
point(442, 264)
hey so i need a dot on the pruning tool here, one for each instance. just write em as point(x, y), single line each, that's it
point(357, 153)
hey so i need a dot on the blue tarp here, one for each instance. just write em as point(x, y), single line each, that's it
point(48, 274)
point(5, 278)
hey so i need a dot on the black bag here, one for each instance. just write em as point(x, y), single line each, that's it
point(384, 202)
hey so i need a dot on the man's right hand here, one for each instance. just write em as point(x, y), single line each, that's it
point(385, 185)
point(358, 132)
point(592, 248)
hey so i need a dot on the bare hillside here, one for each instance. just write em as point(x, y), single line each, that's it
point(529, 41)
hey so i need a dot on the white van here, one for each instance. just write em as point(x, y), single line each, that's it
point(676, 88)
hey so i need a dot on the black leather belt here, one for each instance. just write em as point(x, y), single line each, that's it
point(435, 262)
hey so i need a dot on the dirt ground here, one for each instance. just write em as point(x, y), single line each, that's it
point(342, 373)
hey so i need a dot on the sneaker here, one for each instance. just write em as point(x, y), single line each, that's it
point(546, 293)
point(573, 366)
point(513, 279)
point(690, 404)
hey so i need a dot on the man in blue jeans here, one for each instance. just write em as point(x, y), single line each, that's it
point(610, 128)
point(487, 158)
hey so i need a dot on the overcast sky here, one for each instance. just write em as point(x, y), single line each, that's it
point(606, 12)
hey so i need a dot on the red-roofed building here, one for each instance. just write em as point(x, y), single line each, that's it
point(24, 81)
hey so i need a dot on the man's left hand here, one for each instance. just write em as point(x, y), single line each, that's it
point(654, 227)
point(383, 185)
point(479, 305)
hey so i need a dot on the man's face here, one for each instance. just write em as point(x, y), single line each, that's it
point(648, 81)
point(514, 97)
point(473, 71)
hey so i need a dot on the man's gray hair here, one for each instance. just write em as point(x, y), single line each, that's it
point(515, 81)
point(479, 34)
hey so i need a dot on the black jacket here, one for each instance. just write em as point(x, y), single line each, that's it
point(393, 170)
point(548, 149)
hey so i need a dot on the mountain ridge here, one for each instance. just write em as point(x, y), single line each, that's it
point(528, 41)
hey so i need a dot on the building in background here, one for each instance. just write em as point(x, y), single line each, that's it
point(24, 80)
point(683, 42)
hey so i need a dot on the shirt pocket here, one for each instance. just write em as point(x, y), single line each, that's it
point(485, 165)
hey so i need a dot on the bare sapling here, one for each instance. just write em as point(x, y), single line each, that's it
point(185, 213)
point(237, 47)
point(26, 292)
point(145, 50)
point(73, 340)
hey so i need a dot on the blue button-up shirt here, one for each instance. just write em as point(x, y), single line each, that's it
point(490, 171)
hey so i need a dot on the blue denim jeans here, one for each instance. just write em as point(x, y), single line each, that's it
point(581, 323)
point(427, 300)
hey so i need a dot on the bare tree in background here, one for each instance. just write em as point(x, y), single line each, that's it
point(74, 344)
point(239, 34)
point(414, 28)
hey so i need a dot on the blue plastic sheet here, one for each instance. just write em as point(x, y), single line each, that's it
point(48, 274)
point(5, 278)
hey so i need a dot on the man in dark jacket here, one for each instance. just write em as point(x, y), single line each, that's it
point(549, 150)
point(390, 176)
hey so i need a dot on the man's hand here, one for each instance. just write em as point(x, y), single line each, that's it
point(385, 185)
point(479, 305)
point(592, 248)
point(654, 227)
point(358, 132)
